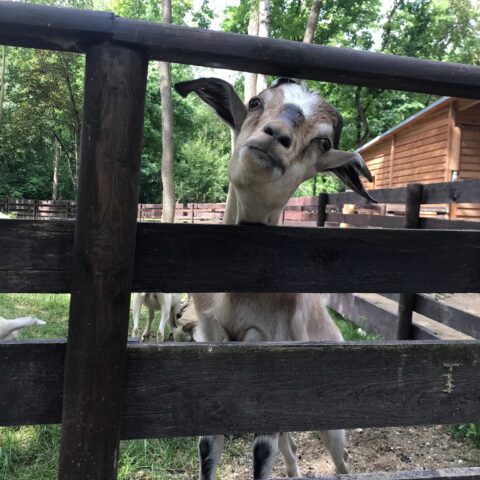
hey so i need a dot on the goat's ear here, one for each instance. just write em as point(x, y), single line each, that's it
point(347, 166)
point(220, 95)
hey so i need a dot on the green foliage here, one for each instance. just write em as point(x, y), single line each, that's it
point(470, 431)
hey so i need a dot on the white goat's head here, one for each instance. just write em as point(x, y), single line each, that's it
point(284, 136)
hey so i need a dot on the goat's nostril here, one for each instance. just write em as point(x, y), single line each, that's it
point(268, 130)
point(285, 140)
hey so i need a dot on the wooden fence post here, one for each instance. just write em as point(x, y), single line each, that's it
point(406, 303)
point(103, 258)
point(322, 209)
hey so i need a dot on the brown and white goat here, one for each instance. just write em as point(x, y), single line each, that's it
point(283, 136)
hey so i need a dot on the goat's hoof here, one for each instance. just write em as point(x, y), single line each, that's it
point(160, 337)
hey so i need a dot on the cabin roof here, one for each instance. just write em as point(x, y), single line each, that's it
point(416, 116)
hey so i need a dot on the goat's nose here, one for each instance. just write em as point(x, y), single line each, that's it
point(278, 133)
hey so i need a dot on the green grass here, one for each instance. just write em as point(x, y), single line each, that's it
point(31, 452)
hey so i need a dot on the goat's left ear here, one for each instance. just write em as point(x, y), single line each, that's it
point(347, 166)
point(219, 95)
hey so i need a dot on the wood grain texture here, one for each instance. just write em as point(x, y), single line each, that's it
point(442, 474)
point(182, 258)
point(234, 51)
point(103, 259)
point(191, 389)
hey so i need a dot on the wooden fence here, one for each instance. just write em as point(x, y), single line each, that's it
point(103, 390)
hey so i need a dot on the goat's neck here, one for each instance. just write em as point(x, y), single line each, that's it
point(236, 211)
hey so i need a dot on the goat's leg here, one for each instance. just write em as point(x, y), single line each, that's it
point(138, 299)
point(265, 450)
point(336, 442)
point(148, 327)
point(166, 304)
point(210, 450)
point(288, 449)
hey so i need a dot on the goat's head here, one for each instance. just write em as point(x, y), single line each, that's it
point(283, 136)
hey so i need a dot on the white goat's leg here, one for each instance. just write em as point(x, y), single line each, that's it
point(288, 449)
point(148, 327)
point(138, 299)
point(210, 450)
point(336, 443)
point(265, 450)
point(166, 304)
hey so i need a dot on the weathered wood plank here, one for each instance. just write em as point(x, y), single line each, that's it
point(182, 258)
point(466, 191)
point(357, 220)
point(443, 474)
point(103, 260)
point(456, 318)
point(406, 301)
point(189, 389)
point(53, 28)
point(28, 25)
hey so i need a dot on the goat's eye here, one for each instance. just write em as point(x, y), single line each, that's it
point(254, 103)
point(325, 144)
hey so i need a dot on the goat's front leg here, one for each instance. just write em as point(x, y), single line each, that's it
point(335, 441)
point(287, 448)
point(265, 450)
point(210, 450)
point(166, 306)
point(138, 299)
point(148, 327)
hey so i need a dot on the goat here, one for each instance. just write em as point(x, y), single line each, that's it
point(169, 305)
point(9, 328)
point(282, 137)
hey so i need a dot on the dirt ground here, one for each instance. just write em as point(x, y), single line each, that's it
point(370, 450)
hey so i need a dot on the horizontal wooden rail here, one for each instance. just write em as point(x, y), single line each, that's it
point(466, 191)
point(453, 317)
point(442, 474)
point(197, 390)
point(72, 30)
point(382, 221)
point(36, 257)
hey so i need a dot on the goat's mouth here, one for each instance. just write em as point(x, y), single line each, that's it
point(267, 157)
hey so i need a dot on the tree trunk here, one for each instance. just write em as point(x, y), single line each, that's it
point(250, 89)
point(312, 21)
point(263, 23)
point(56, 158)
point(2, 79)
point(362, 126)
point(168, 194)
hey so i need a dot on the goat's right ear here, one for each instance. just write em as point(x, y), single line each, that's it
point(220, 95)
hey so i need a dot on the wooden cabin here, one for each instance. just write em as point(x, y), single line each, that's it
point(440, 143)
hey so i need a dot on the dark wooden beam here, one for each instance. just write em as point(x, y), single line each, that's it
point(44, 27)
point(103, 259)
point(36, 256)
point(356, 384)
point(406, 301)
point(322, 209)
point(357, 220)
point(442, 474)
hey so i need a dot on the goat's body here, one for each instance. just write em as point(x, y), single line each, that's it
point(273, 317)
point(284, 136)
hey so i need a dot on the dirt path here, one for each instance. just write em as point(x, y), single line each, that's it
point(371, 450)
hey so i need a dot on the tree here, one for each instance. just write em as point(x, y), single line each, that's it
point(312, 21)
point(168, 211)
point(263, 24)
point(250, 89)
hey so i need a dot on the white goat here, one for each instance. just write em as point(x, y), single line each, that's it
point(284, 136)
point(9, 328)
point(169, 304)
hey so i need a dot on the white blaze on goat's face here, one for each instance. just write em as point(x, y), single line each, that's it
point(281, 143)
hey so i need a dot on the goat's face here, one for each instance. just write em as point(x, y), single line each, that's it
point(284, 136)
